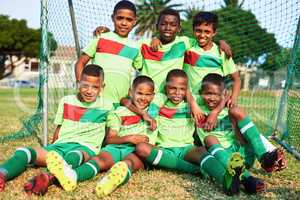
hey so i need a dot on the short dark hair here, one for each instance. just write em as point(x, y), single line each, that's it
point(168, 11)
point(124, 4)
point(215, 79)
point(142, 79)
point(207, 18)
point(93, 70)
point(176, 73)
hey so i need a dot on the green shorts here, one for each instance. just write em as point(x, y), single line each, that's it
point(245, 151)
point(179, 152)
point(64, 148)
point(118, 152)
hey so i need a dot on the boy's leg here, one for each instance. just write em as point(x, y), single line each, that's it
point(69, 177)
point(164, 158)
point(270, 161)
point(119, 174)
point(18, 162)
point(211, 166)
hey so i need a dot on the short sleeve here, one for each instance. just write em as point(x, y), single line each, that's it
point(59, 117)
point(229, 66)
point(159, 99)
point(113, 121)
point(91, 48)
point(189, 42)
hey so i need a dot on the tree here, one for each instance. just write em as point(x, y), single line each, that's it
point(147, 14)
point(17, 39)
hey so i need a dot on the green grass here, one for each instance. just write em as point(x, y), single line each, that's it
point(153, 184)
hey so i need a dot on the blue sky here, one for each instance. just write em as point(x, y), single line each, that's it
point(22, 9)
point(281, 18)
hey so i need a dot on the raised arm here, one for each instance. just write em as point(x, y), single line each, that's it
point(81, 62)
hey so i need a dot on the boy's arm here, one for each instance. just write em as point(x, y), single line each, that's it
point(125, 101)
point(155, 44)
point(55, 135)
point(81, 62)
point(223, 46)
point(100, 29)
point(113, 138)
point(196, 112)
point(235, 89)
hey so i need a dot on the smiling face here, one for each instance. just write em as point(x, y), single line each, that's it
point(212, 95)
point(124, 21)
point(89, 88)
point(168, 27)
point(176, 89)
point(204, 34)
point(142, 95)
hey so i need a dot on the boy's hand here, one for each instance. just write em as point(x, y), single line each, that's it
point(231, 102)
point(197, 114)
point(100, 29)
point(155, 44)
point(150, 121)
point(211, 121)
point(135, 139)
point(224, 47)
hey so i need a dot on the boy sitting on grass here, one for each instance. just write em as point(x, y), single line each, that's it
point(235, 132)
point(126, 130)
point(79, 134)
point(175, 144)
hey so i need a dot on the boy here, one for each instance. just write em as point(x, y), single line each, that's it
point(175, 139)
point(204, 57)
point(116, 54)
point(79, 134)
point(231, 123)
point(126, 129)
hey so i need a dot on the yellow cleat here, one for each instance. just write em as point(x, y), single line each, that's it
point(114, 177)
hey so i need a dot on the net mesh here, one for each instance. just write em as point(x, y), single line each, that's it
point(264, 73)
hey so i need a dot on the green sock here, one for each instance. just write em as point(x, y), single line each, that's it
point(87, 171)
point(162, 158)
point(220, 154)
point(74, 158)
point(18, 162)
point(129, 173)
point(212, 167)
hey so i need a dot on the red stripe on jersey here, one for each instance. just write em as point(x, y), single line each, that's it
point(191, 58)
point(151, 55)
point(167, 112)
point(129, 120)
point(72, 112)
point(109, 46)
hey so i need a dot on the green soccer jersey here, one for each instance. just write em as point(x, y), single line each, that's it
point(170, 56)
point(175, 124)
point(198, 63)
point(82, 122)
point(118, 57)
point(224, 130)
point(126, 122)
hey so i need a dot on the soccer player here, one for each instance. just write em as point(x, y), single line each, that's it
point(115, 52)
point(78, 136)
point(235, 132)
point(126, 129)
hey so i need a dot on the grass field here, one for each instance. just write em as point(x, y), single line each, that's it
point(154, 184)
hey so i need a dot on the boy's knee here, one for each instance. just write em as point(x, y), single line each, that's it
point(103, 160)
point(143, 150)
point(237, 113)
point(210, 140)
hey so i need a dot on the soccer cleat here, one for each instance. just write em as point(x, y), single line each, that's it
point(2, 182)
point(39, 184)
point(273, 161)
point(253, 185)
point(235, 168)
point(65, 175)
point(114, 177)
